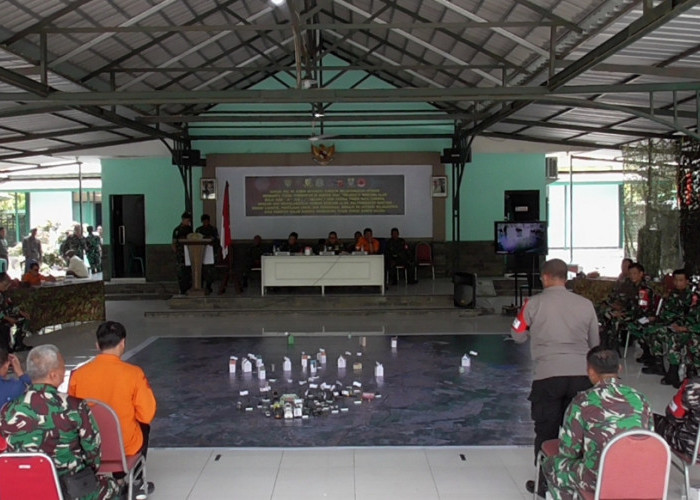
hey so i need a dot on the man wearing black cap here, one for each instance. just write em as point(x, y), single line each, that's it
point(184, 274)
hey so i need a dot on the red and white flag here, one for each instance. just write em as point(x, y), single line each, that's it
point(225, 224)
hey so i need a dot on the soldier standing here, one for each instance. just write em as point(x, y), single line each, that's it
point(4, 250)
point(94, 250)
point(593, 418)
point(209, 231)
point(31, 249)
point(74, 242)
point(184, 275)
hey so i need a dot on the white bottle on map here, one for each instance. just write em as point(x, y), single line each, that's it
point(466, 361)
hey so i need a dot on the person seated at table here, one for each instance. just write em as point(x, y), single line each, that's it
point(76, 266)
point(319, 246)
point(292, 244)
point(333, 244)
point(11, 315)
point(679, 426)
point(352, 247)
point(34, 277)
point(368, 243)
point(397, 253)
point(593, 418)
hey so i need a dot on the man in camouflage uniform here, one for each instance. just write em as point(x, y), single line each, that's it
point(44, 420)
point(184, 273)
point(74, 242)
point(11, 315)
point(679, 426)
point(629, 302)
point(209, 231)
point(593, 418)
point(668, 330)
point(93, 244)
point(31, 249)
point(688, 335)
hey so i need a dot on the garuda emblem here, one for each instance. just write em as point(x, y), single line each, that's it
point(323, 154)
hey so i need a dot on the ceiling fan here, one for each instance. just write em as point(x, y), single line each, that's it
point(317, 118)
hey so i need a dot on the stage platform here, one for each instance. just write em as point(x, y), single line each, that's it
point(426, 295)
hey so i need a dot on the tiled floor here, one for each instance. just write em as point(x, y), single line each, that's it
point(331, 473)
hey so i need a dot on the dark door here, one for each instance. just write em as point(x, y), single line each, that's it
point(128, 235)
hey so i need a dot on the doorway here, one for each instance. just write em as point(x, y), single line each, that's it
point(128, 235)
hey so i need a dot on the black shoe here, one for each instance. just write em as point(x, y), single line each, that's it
point(672, 377)
point(655, 369)
point(530, 487)
point(665, 381)
point(644, 359)
point(141, 492)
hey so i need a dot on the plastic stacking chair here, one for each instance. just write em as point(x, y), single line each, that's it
point(687, 462)
point(634, 465)
point(114, 459)
point(424, 257)
point(28, 475)
point(548, 449)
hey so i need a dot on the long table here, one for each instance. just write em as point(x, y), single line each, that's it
point(322, 271)
point(61, 303)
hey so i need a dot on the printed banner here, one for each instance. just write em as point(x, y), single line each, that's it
point(276, 196)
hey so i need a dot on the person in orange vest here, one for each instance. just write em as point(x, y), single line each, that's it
point(122, 386)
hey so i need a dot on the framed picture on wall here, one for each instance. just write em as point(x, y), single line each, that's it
point(438, 188)
point(208, 189)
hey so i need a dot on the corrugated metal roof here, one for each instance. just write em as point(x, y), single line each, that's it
point(185, 48)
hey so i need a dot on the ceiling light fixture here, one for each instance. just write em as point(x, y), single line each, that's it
point(278, 2)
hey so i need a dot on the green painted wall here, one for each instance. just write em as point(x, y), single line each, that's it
point(484, 181)
point(160, 182)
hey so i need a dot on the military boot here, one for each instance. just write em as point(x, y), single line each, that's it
point(646, 356)
point(671, 377)
point(656, 367)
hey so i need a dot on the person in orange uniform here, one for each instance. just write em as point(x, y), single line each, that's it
point(122, 386)
point(34, 277)
point(368, 243)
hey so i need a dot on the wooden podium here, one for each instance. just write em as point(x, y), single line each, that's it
point(195, 246)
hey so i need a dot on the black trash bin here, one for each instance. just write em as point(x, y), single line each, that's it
point(465, 289)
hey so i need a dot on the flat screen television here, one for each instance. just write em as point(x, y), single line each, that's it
point(521, 237)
